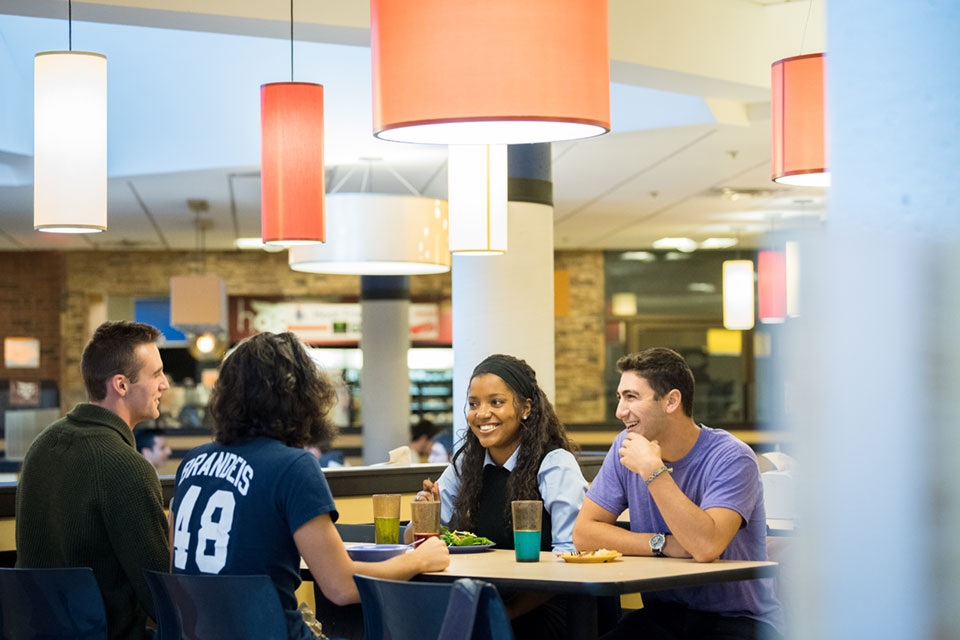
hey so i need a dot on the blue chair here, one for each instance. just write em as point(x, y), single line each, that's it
point(355, 532)
point(51, 604)
point(395, 610)
point(208, 607)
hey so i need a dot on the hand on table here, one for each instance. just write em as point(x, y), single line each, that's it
point(640, 455)
point(432, 555)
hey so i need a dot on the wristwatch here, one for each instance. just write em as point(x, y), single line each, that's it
point(657, 541)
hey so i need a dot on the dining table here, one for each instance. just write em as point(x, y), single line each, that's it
point(587, 582)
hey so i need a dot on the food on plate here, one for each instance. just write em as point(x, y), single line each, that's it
point(461, 538)
point(600, 555)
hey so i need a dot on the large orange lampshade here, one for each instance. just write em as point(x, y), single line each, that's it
point(799, 123)
point(771, 286)
point(489, 71)
point(291, 169)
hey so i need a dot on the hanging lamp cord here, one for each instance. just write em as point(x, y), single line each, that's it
point(291, 40)
point(802, 38)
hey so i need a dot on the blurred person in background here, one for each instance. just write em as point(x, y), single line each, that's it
point(152, 445)
point(424, 442)
point(255, 487)
point(692, 491)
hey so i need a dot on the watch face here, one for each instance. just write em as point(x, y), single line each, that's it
point(657, 541)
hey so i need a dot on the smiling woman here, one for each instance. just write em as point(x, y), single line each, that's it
point(516, 449)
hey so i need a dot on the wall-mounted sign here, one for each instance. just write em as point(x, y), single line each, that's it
point(24, 394)
point(322, 323)
point(21, 353)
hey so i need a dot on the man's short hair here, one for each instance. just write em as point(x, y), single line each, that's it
point(112, 350)
point(147, 438)
point(423, 428)
point(664, 370)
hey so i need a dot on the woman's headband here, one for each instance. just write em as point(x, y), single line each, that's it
point(510, 372)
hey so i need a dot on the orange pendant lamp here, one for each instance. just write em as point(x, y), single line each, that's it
point(291, 163)
point(489, 71)
point(799, 122)
point(292, 179)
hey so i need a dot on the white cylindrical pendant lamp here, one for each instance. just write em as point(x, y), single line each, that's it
point(738, 294)
point(70, 142)
point(477, 189)
point(379, 235)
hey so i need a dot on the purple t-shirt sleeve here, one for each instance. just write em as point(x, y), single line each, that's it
point(735, 486)
point(304, 493)
point(608, 489)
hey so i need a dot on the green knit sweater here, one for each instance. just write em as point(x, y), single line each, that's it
point(87, 498)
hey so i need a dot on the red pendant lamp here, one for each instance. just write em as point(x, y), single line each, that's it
point(489, 71)
point(292, 179)
point(799, 122)
point(771, 286)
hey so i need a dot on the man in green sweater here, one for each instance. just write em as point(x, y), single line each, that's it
point(86, 498)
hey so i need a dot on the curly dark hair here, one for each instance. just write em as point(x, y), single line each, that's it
point(113, 350)
point(541, 429)
point(269, 386)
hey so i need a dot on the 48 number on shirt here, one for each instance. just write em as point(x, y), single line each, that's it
point(217, 531)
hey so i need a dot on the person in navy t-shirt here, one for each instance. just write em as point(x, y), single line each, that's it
point(692, 491)
point(254, 501)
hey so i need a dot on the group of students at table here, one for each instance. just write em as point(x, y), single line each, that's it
point(254, 502)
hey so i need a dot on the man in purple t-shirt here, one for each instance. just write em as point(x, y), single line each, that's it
point(693, 492)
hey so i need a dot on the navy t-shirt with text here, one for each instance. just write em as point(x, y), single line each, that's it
point(237, 507)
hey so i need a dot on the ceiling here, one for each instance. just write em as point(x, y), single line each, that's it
point(688, 153)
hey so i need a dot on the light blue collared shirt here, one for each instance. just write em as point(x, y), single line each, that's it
point(561, 485)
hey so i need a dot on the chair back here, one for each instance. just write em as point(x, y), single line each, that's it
point(208, 607)
point(51, 604)
point(464, 610)
point(356, 532)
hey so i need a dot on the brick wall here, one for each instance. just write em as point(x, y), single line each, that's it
point(579, 339)
point(30, 298)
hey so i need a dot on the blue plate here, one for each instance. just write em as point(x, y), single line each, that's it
point(375, 552)
point(471, 548)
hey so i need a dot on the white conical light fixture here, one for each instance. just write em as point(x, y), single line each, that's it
point(376, 235)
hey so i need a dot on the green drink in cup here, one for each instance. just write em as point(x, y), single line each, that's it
point(526, 529)
point(386, 518)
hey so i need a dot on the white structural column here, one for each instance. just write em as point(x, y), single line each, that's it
point(878, 424)
point(385, 377)
point(504, 304)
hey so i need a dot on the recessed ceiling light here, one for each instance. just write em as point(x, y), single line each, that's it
point(642, 256)
point(680, 244)
point(718, 243)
